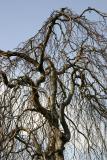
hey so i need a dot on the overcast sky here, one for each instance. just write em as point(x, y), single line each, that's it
point(21, 19)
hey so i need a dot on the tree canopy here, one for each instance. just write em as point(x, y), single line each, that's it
point(53, 98)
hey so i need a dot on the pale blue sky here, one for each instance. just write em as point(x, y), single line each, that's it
point(21, 19)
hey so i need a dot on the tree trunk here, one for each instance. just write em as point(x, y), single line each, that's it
point(59, 145)
point(56, 145)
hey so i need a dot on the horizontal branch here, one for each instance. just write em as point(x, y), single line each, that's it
point(20, 55)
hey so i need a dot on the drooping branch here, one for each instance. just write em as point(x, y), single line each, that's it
point(5, 80)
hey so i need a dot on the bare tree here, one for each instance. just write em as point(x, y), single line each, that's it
point(53, 98)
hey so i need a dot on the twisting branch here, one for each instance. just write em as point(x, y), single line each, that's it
point(64, 104)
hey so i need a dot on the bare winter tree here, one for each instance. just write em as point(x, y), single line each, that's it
point(53, 91)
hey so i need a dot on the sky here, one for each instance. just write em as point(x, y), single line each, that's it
point(21, 19)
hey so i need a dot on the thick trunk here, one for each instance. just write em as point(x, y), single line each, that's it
point(56, 145)
point(59, 145)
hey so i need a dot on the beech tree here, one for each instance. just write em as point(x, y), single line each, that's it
point(53, 91)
